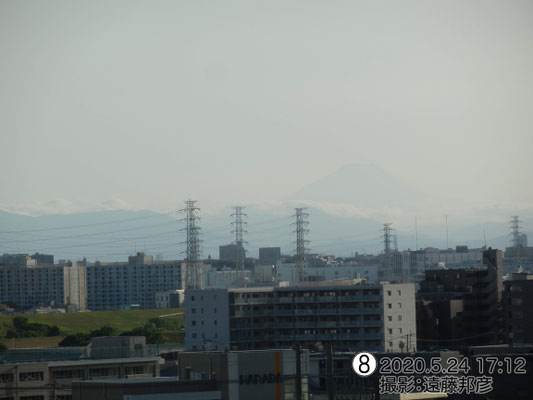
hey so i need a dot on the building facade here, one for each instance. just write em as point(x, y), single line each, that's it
point(48, 375)
point(461, 305)
point(32, 286)
point(378, 317)
point(111, 286)
point(518, 308)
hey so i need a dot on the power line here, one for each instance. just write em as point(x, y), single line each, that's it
point(87, 225)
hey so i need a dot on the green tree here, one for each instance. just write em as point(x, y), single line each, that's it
point(53, 331)
point(79, 339)
point(20, 323)
point(105, 330)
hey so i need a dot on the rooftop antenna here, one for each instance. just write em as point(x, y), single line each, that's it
point(485, 239)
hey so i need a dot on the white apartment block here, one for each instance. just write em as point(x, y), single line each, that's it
point(375, 317)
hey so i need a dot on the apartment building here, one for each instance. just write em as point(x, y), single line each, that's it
point(33, 285)
point(112, 285)
point(518, 307)
point(460, 305)
point(375, 317)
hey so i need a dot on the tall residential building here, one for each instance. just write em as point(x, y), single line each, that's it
point(518, 308)
point(460, 305)
point(112, 285)
point(377, 317)
point(31, 286)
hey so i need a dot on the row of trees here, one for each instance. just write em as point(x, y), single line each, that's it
point(152, 330)
point(24, 329)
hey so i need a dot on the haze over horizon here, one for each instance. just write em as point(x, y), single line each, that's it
point(140, 105)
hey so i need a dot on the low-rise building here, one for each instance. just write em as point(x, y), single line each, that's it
point(48, 374)
point(169, 298)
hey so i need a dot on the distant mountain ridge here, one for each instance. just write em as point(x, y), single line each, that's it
point(364, 185)
point(113, 235)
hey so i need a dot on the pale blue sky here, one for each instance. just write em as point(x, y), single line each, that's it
point(152, 102)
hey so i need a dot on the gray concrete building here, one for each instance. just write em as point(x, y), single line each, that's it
point(375, 317)
point(269, 255)
point(49, 375)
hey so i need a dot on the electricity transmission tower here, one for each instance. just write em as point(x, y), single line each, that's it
point(387, 256)
point(515, 232)
point(239, 242)
point(193, 275)
point(301, 249)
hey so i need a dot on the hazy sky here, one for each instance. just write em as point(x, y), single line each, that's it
point(153, 102)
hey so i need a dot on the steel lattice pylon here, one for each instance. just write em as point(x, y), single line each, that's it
point(239, 242)
point(301, 249)
point(387, 256)
point(193, 275)
point(515, 232)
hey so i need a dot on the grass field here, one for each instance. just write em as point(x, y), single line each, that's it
point(87, 321)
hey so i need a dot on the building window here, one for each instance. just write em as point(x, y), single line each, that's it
point(194, 335)
point(390, 331)
point(6, 378)
point(193, 310)
point(390, 318)
point(31, 376)
point(400, 330)
point(399, 292)
point(389, 305)
point(136, 370)
point(399, 305)
point(193, 323)
point(389, 293)
point(399, 317)
point(192, 298)
point(215, 321)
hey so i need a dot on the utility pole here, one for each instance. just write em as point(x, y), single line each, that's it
point(193, 273)
point(239, 242)
point(301, 249)
point(515, 232)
